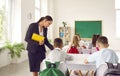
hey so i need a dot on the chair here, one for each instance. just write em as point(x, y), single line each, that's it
point(101, 69)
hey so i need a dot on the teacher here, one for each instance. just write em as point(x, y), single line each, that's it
point(36, 50)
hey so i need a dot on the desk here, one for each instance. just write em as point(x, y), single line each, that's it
point(78, 63)
point(86, 51)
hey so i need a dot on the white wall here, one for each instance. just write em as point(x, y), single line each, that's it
point(69, 11)
point(4, 58)
point(27, 15)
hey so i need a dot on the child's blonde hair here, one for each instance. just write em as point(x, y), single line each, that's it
point(79, 38)
point(75, 41)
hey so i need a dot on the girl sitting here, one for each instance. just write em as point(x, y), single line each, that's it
point(74, 47)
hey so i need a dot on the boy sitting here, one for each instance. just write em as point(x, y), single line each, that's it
point(104, 55)
point(57, 55)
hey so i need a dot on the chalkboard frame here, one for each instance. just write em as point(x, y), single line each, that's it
point(95, 27)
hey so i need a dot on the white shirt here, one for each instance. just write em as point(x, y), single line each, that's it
point(40, 33)
point(57, 55)
point(102, 56)
point(81, 43)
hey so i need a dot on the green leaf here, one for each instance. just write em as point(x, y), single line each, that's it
point(15, 49)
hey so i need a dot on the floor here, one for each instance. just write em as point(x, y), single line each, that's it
point(21, 69)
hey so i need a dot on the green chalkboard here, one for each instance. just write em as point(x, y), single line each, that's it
point(87, 28)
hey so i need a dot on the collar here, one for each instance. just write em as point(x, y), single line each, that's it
point(57, 49)
point(103, 49)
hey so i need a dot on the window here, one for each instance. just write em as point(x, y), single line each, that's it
point(117, 7)
point(4, 20)
point(41, 8)
point(37, 10)
point(44, 7)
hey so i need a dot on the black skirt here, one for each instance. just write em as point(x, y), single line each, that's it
point(34, 60)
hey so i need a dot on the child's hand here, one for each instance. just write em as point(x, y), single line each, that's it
point(86, 61)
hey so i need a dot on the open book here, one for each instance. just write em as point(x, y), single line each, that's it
point(37, 37)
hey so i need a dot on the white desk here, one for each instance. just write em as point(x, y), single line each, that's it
point(84, 51)
point(78, 63)
point(87, 51)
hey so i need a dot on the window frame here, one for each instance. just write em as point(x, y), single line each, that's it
point(117, 9)
point(117, 24)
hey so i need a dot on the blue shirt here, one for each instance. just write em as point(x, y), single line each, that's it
point(102, 56)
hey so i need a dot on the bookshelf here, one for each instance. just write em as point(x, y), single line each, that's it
point(65, 34)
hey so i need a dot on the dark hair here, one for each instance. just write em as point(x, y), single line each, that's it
point(94, 39)
point(58, 42)
point(102, 40)
point(48, 18)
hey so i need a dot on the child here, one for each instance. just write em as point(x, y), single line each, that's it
point(81, 42)
point(94, 39)
point(54, 57)
point(57, 54)
point(74, 45)
point(104, 55)
point(93, 44)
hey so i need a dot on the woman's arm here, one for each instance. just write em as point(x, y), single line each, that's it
point(46, 40)
point(29, 35)
point(48, 44)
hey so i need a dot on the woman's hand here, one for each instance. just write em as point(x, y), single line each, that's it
point(41, 42)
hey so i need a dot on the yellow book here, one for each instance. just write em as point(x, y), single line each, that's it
point(37, 37)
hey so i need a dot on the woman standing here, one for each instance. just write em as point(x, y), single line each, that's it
point(36, 50)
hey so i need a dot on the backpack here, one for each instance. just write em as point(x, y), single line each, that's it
point(113, 70)
point(73, 50)
point(51, 70)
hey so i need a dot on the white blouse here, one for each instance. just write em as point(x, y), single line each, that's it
point(40, 33)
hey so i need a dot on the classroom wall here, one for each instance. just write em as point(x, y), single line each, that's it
point(70, 11)
point(27, 15)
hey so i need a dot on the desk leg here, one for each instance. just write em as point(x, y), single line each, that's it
point(92, 73)
point(80, 73)
point(87, 73)
point(70, 71)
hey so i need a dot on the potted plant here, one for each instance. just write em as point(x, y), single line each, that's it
point(64, 24)
point(14, 49)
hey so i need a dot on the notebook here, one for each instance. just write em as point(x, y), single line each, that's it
point(37, 37)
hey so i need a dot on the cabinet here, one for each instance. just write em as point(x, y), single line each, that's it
point(65, 34)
